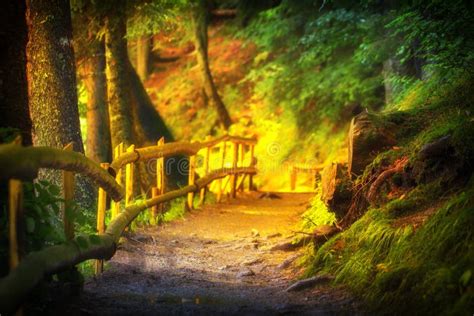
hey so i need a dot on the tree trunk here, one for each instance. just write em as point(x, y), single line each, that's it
point(13, 85)
point(200, 19)
point(368, 135)
point(120, 112)
point(98, 146)
point(143, 57)
point(51, 74)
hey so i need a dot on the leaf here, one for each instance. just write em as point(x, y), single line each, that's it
point(54, 190)
point(465, 278)
point(30, 224)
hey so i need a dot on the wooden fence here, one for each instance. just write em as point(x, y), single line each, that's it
point(311, 171)
point(225, 173)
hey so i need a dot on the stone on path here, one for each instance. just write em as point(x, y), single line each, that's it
point(307, 283)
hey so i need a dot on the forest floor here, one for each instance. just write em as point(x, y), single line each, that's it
point(216, 260)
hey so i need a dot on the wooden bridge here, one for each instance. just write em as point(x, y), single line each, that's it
point(219, 171)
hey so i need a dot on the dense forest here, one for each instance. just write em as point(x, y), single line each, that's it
point(362, 110)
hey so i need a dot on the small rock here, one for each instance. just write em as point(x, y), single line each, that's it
point(224, 267)
point(245, 273)
point(284, 246)
point(255, 233)
point(307, 283)
point(273, 235)
point(252, 261)
point(285, 264)
point(174, 241)
point(269, 195)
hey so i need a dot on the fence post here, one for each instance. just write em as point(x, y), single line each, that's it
point(241, 161)
point(155, 208)
point(116, 205)
point(293, 176)
point(191, 178)
point(233, 176)
point(223, 149)
point(101, 207)
point(15, 217)
point(207, 154)
point(251, 164)
point(129, 177)
point(160, 177)
point(68, 196)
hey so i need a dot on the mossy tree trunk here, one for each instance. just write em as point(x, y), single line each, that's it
point(90, 60)
point(144, 45)
point(120, 112)
point(98, 146)
point(51, 74)
point(200, 20)
point(13, 85)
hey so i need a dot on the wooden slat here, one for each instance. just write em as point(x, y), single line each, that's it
point(15, 217)
point(223, 150)
point(129, 178)
point(116, 205)
point(233, 177)
point(191, 179)
point(207, 155)
point(251, 164)
point(101, 207)
point(160, 175)
point(68, 196)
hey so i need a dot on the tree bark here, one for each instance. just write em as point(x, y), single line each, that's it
point(200, 20)
point(51, 74)
point(13, 85)
point(143, 57)
point(120, 112)
point(98, 146)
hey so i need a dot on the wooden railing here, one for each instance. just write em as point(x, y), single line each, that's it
point(19, 163)
point(311, 171)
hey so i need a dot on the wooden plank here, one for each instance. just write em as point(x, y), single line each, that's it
point(251, 164)
point(15, 194)
point(293, 178)
point(101, 207)
point(240, 182)
point(223, 149)
point(241, 158)
point(129, 178)
point(68, 196)
point(233, 177)
point(155, 209)
point(15, 217)
point(116, 205)
point(160, 176)
point(207, 154)
point(191, 179)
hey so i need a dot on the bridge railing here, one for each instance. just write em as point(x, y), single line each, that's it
point(19, 163)
point(312, 171)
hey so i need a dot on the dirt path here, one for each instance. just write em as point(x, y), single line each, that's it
point(217, 260)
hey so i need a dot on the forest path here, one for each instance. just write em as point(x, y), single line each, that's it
point(217, 260)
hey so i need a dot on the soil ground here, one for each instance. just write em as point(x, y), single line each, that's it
point(217, 260)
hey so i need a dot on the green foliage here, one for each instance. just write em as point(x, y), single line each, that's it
point(175, 211)
point(152, 17)
point(318, 214)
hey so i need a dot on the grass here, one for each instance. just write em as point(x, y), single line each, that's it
point(395, 262)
